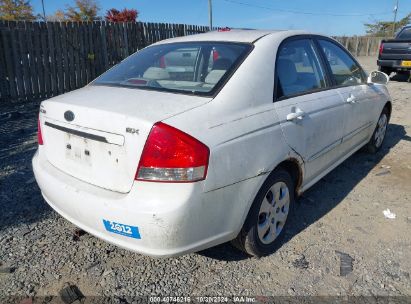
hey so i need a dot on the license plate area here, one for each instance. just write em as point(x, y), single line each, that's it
point(406, 63)
point(78, 149)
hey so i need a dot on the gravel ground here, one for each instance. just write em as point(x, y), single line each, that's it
point(343, 213)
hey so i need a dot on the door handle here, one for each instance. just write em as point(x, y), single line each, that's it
point(351, 99)
point(295, 115)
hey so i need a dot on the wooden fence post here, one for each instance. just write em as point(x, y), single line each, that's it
point(357, 41)
point(104, 45)
point(368, 46)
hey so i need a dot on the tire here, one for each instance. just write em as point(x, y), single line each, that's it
point(268, 213)
point(378, 135)
point(385, 70)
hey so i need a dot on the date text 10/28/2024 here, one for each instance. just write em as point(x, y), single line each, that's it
point(206, 299)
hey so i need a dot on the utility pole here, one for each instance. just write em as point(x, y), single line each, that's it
point(44, 11)
point(210, 15)
point(395, 18)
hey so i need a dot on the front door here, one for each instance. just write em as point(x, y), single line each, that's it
point(357, 95)
point(311, 114)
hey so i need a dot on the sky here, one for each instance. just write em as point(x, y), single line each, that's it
point(330, 17)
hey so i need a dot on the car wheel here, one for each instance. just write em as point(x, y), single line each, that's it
point(385, 70)
point(378, 136)
point(268, 217)
point(404, 75)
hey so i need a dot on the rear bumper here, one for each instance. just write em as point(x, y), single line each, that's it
point(394, 64)
point(172, 219)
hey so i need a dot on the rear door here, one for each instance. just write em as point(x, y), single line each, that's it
point(310, 112)
point(358, 96)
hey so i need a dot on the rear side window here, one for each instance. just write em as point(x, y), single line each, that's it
point(405, 34)
point(343, 67)
point(298, 69)
point(192, 67)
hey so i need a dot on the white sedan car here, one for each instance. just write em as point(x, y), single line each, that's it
point(199, 140)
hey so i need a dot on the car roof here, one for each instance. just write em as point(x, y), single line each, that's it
point(235, 35)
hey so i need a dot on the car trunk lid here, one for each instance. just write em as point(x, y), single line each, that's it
point(103, 142)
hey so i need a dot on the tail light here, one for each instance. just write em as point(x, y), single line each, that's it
point(381, 48)
point(39, 135)
point(171, 155)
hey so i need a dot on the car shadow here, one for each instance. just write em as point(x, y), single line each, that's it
point(315, 203)
point(21, 202)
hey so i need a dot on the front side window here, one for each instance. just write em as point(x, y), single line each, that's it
point(405, 34)
point(194, 67)
point(298, 69)
point(344, 69)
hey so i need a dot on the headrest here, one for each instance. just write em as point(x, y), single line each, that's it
point(155, 73)
point(214, 76)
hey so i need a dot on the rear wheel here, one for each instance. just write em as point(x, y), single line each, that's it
point(266, 222)
point(378, 136)
point(404, 75)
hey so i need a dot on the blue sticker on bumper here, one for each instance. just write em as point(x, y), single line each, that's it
point(126, 230)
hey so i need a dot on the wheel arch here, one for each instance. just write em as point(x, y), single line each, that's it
point(293, 167)
point(291, 163)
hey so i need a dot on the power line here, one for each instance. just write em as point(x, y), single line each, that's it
point(301, 12)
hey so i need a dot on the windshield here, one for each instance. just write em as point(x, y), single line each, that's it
point(194, 68)
point(405, 34)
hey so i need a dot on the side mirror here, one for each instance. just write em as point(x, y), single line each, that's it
point(378, 77)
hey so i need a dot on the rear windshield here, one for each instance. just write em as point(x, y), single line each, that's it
point(405, 34)
point(195, 68)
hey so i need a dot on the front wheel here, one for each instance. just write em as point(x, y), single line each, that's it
point(266, 222)
point(378, 136)
point(385, 70)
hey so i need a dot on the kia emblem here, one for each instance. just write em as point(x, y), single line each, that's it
point(69, 116)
